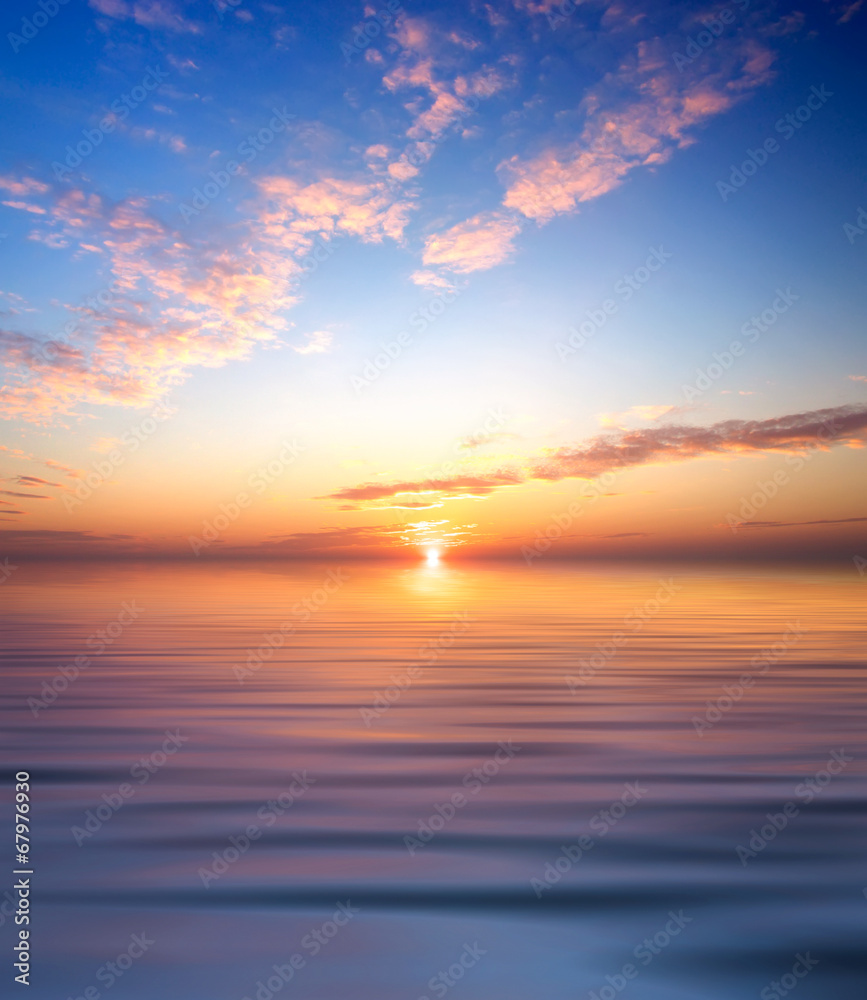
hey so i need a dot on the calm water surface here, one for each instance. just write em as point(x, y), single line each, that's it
point(495, 770)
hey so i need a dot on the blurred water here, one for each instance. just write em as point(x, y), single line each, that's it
point(596, 809)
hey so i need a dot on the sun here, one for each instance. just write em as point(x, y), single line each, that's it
point(433, 556)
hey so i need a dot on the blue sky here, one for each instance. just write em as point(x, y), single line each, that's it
point(497, 163)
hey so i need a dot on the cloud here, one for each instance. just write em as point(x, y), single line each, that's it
point(52, 542)
point(652, 412)
point(623, 450)
point(147, 14)
point(431, 280)
point(318, 342)
point(428, 61)
point(22, 185)
point(796, 524)
point(36, 481)
point(364, 208)
point(468, 487)
point(479, 243)
point(29, 496)
point(49, 463)
point(791, 433)
point(637, 117)
point(175, 302)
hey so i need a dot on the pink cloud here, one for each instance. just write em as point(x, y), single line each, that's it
point(479, 243)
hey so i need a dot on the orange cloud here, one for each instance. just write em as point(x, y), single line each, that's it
point(643, 129)
point(479, 243)
point(622, 450)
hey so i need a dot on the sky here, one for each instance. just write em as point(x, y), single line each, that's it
point(521, 279)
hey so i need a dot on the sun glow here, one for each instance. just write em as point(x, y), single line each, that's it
point(433, 557)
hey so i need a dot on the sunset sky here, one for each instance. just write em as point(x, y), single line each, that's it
point(432, 276)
